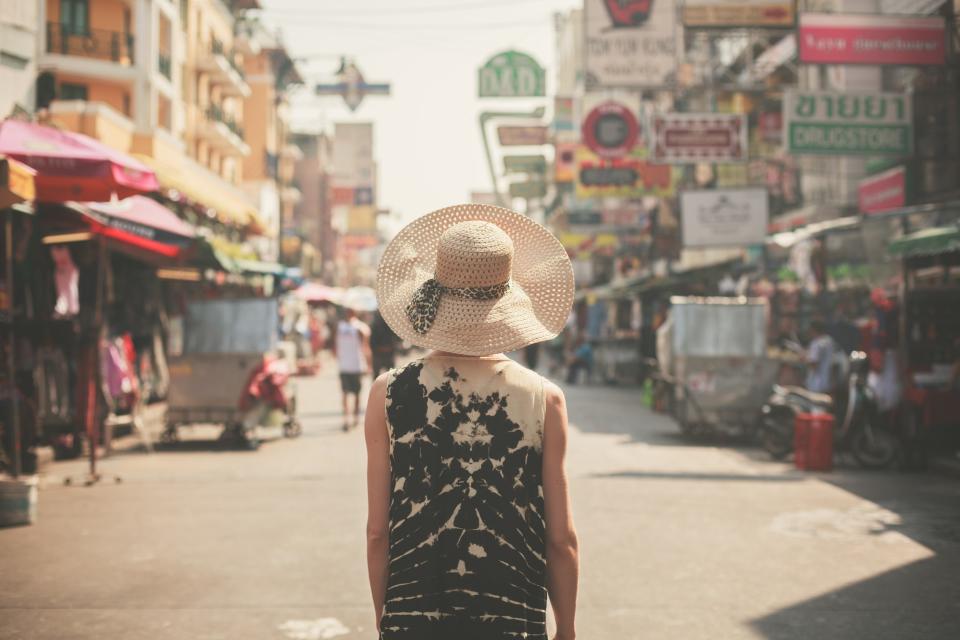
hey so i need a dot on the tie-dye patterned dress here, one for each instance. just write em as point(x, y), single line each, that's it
point(467, 545)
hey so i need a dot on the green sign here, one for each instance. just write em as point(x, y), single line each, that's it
point(532, 189)
point(525, 164)
point(848, 124)
point(511, 74)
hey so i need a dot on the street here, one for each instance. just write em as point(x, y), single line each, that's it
point(678, 540)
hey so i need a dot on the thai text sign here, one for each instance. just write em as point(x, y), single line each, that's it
point(630, 43)
point(884, 191)
point(848, 124)
point(511, 74)
point(871, 39)
point(738, 13)
point(684, 138)
point(520, 136)
point(724, 217)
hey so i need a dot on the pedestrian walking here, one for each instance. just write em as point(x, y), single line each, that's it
point(821, 359)
point(469, 523)
point(383, 345)
point(352, 347)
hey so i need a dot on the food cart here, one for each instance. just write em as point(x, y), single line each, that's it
point(712, 355)
point(230, 352)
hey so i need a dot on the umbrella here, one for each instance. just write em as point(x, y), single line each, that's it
point(316, 292)
point(360, 299)
point(72, 166)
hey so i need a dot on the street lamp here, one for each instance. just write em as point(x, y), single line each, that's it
point(486, 116)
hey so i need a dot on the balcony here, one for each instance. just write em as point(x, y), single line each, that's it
point(96, 44)
point(223, 132)
point(224, 70)
point(165, 65)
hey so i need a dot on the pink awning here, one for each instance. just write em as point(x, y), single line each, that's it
point(144, 217)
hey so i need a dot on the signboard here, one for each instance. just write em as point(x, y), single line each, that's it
point(610, 130)
point(524, 164)
point(629, 177)
point(738, 13)
point(770, 125)
point(871, 39)
point(724, 217)
point(884, 191)
point(528, 190)
point(522, 136)
point(362, 219)
point(363, 195)
point(630, 43)
point(563, 115)
point(351, 86)
point(511, 74)
point(564, 163)
point(848, 124)
point(685, 138)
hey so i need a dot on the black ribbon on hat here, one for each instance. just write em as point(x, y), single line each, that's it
point(422, 310)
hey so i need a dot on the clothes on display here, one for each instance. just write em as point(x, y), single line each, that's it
point(67, 280)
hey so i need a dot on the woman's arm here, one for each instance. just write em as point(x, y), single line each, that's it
point(563, 556)
point(378, 494)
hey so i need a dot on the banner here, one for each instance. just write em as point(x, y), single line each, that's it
point(884, 191)
point(848, 124)
point(685, 138)
point(724, 217)
point(871, 39)
point(738, 13)
point(630, 43)
point(629, 177)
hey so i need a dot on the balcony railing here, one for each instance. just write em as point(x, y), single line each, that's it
point(91, 43)
point(216, 114)
point(165, 65)
point(218, 49)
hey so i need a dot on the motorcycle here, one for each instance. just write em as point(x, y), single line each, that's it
point(854, 407)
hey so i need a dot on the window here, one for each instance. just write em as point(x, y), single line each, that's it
point(71, 91)
point(75, 17)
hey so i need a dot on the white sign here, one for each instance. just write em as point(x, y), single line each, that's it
point(630, 43)
point(724, 217)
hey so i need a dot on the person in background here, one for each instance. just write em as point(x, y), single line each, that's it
point(820, 359)
point(383, 345)
point(580, 360)
point(352, 346)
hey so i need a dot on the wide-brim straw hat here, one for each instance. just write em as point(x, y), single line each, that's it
point(468, 248)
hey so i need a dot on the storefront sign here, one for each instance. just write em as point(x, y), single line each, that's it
point(684, 138)
point(524, 164)
point(848, 124)
point(771, 126)
point(884, 191)
point(724, 217)
point(521, 136)
point(630, 43)
point(871, 39)
point(362, 219)
point(564, 163)
point(528, 190)
point(628, 177)
point(511, 74)
point(738, 13)
point(610, 130)
point(563, 115)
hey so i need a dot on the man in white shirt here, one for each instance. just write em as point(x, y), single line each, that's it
point(352, 346)
point(821, 355)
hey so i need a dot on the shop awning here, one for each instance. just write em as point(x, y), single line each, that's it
point(927, 242)
point(144, 217)
point(72, 166)
point(258, 266)
point(16, 182)
point(209, 190)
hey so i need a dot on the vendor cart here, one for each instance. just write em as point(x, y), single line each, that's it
point(231, 372)
point(712, 355)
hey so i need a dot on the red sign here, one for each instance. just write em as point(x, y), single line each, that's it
point(871, 39)
point(685, 138)
point(628, 13)
point(610, 130)
point(884, 191)
point(341, 195)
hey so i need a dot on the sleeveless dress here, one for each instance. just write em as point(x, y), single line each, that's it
point(467, 529)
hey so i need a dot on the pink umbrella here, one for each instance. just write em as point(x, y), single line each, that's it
point(72, 166)
point(316, 292)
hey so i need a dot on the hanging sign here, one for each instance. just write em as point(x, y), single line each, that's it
point(629, 177)
point(685, 138)
point(564, 162)
point(630, 43)
point(724, 217)
point(871, 39)
point(884, 191)
point(351, 86)
point(524, 164)
point(738, 13)
point(511, 74)
point(848, 124)
point(610, 130)
point(562, 115)
point(522, 136)
point(528, 190)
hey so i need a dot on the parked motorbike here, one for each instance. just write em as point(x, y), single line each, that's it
point(857, 425)
point(267, 399)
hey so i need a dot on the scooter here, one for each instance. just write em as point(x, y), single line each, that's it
point(858, 429)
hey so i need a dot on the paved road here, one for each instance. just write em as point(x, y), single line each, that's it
point(679, 540)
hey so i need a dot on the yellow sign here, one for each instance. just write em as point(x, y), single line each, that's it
point(579, 244)
point(362, 219)
point(738, 13)
point(16, 182)
point(629, 177)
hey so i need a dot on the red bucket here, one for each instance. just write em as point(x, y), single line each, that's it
point(813, 442)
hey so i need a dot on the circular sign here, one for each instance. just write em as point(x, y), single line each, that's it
point(610, 130)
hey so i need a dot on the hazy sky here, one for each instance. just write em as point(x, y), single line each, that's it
point(427, 137)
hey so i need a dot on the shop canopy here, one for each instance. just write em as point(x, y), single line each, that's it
point(927, 242)
point(16, 182)
point(72, 166)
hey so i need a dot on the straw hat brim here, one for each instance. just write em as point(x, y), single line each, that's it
point(534, 309)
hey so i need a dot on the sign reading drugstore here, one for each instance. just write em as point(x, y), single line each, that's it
point(511, 74)
point(848, 124)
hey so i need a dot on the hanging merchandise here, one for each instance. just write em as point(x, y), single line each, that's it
point(67, 279)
